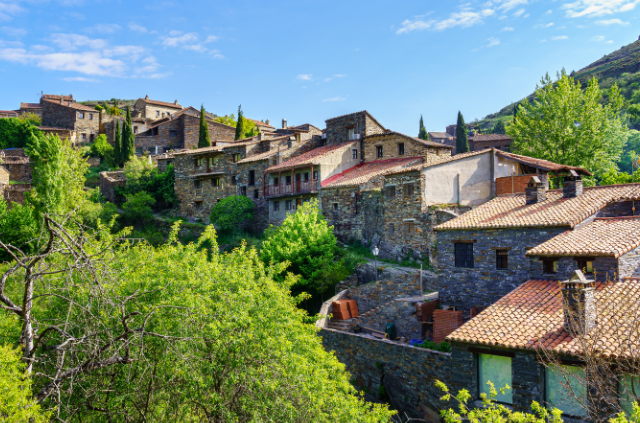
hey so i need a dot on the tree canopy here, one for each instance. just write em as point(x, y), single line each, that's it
point(232, 213)
point(204, 139)
point(423, 134)
point(462, 141)
point(15, 133)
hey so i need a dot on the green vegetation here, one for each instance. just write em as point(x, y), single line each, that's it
point(423, 134)
point(245, 128)
point(137, 208)
point(240, 129)
point(117, 145)
point(18, 227)
point(142, 175)
point(30, 119)
point(499, 128)
point(16, 133)
point(462, 141)
point(430, 345)
point(101, 148)
point(232, 213)
point(128, 148)
point(204, 139)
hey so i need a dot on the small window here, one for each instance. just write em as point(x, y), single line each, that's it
point(197, 184)
point(276, 180)
point(497, 370)
point(213, 161)
point(287, 179)
point(91, 137)
point(139, 151)
point(199, 162)
point(392, 230)
point(243, 191)
point(157, 113)
point(305, 176)
point(215, 182)
point(252, 178)
point(287, 205)
point(354, 154)
point(390, 191)
point(234, 181)
point(585, 264)
point(502, 259)
point(315, 175)
point(80, 115)
point(236, 157)
point(335, 207)
point(558, 380)
point(173, 132)
point(198, 205)
point(256, 194)
point(351, 133)
point(166, 149)
point(276, 206)
point(135, 129)
point(401, 149)
point(550, 266)
point(84, 137)
point(379, 151)
point(464, 254)
point(409, 227)
point(90, 116)
point(408, 189)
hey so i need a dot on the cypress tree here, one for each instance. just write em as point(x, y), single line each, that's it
point(462, 142)
point(204, 140)
point(117, 145)
point(423, 135)
point(128, 140)
point(240, 127)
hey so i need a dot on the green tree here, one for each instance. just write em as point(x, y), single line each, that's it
point(307, 242)
point(138, 207)
point(142, 175)
point(423, 134)
point(240, 126)
point(101, 148)
point(499, 128)
point(18, 227)
point(17, 404)
point(227, 120)
point(128, 139)
point(117, 145)
point(30, 118)
point(232, 213)
point(204, 139)
point(567, 125)
point(15, 133)
point(462, 141)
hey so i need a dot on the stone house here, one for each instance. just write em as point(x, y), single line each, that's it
point(180, 131)
point(4, 181)
point(392, 145)
point(62, 113)
point(351, 127)
point(35, 108)
point(8, 114)
point(443, 138)
point(153, 109)
point(484, 142)
point(17, 163)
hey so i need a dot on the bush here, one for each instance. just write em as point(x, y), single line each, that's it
point(138, 207)
point(232, 213)
point(15, 133)
point(430, 345)
point(143, 176)
point(101, 148)
point(18, 227)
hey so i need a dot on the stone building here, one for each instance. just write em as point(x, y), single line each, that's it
point(443, 138)
point(4, 181)
point(35, 108)
point(62, 133)
point(60, 112)
point(8, 114)
point(17, 163)
point(154, 109)
point(351, 127)
point(484, 142)
point(109, 181)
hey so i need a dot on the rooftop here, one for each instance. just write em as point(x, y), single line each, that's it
point(310, 157)
point(259, 123)
point(490, 137)
point(30, 106)
point(363, 173)
point(262, 156)
point(72, 105)
point(357, 113)
point(437, 161)
point(440, 135)
point(531, 317)
point(173, 105)
point(197, 151)
point(511, 210)
point(608, 236)
point(542, 164)
point(424, 142)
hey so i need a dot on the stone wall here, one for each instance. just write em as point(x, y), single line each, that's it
point(337, 130)
point(606, 268)
point(218, 132)
point(484, 284)
point(255, 191)
point(619, 209)
point(390, 150)
point(342, 207)
point(373, 216)
point(108, 183)
point(15, 193)
point(57, 115)
point(19, 167)
point(629, 264)
point(402, 312)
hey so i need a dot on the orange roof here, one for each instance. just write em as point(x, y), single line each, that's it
point(57, 97)
point(363, 173)
point(258, 123)
point(542, 164)
point(608, 236)
point(511, 210)
point(162, 103)
point(311, 157)
point(30, 106)
point(531, 317)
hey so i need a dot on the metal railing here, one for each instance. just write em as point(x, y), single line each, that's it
point(297, 187)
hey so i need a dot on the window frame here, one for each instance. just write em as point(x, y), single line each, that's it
point(550, 263)
point(276, 206)
point(484, 388)
point(408, 189)
point(288, 204)
point(252, 178)
point(197, 184)
point(460, 261)
point(401, 149)
point(80, 115)
point(502, 259)
point(216, 182)
point(408, 228)
point(173, 132)
point(583, 263)
point(354, 153)
point(379, 151)
point(243, 191)
point(547, 391)
point(390, 191)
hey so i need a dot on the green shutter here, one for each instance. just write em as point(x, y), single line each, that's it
point(497, 370)
point(570, 401)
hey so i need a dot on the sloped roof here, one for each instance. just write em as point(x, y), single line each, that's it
point(357, 113)
point(162, 103)
point(542, 164)
point(440, 135)
point(607, 236)
point(364, 172)
point(197, 151)
point(30, 106)
point(57, 97)
point(189, 111)
point(258, 123)
point(437, 161)
point(72, 105)
point(490, 137)
point(311, 157)
point(424, 142)
point(262, 156)
point(531, 317)
point(511, 210)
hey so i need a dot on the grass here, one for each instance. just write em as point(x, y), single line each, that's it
point(363, 253)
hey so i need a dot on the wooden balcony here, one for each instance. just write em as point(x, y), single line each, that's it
point(297, 187)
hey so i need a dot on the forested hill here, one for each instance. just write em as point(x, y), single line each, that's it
point(621, 67)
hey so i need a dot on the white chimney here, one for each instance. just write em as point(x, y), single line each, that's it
point(284, 124)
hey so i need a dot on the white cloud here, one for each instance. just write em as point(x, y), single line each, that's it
point(598, 38)
point(548, 12)
point(211, 39)
point(560, 37)
point(13, 32)
point(74, 41)
point(138, 28)
point(610, 42)
point(80, 79)
point(9, 10)
point(327, 79)
point(493, 42)
point(12, 44)
point(503, 17)
point(543, 41)
point(103, 28)
point(510, 4)
point(519, 13)
point(334, 99)
point(465, 18)
point(216, 54)
point(190, 41)
point(612, 22)
point(595, 8)
point(549, 25)
point(305, 77)
point(507, 29)
point(340, 75)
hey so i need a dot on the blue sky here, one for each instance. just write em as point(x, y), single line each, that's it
point(306, 61)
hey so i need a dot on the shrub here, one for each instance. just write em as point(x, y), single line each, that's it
point(143, 176)
point(15, 133)
point(18, 226)
point(138, 207)
point(101, 148)
point(232, 213)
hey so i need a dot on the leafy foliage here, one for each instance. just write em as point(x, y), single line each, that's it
point(227, 120)
point(18, 227)
point(137, 208)
point(232, 213)
point(17, 404)
point(462, 141)
point(117, 145)
point(245, 128)
point(128, 139)
point(204, 139)
point(569, 126)
point(143, 176)
point(101, 148)
point(306, 242)
point(423, 134)
point(15, 133)
point(30, 119)
point(499, 128)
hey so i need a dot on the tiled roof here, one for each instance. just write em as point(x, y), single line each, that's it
point(258, 123)
point(310, 157)
point(437, 161)
point(357, 113)
point(197, 151)
point(427, 143)
point(72, 105)
point(261, 156)
point(162, 103)
point(30, 106)
point(12, 112)
point(490, 137)
point(542, 164)
point(440, 135)
point(531, 317)
point(51, 128)
point(363, 173)
point(57, 97)
point(609, 236)
point(511, 210)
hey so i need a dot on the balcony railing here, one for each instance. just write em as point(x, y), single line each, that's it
point(297, 187)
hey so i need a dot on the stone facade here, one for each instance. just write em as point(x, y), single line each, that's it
point(62, 133)
point(17, 163)
point(108, 183)
point(15, 193)
point(394, 145)
point(342, 207)
point(4, 181)
point(82, 120)
point(343, 128)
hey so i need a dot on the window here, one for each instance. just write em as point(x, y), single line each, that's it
point(213, 161)
point(585, 264)
point(80, 115)
point(243, 191)
point(91, 137)
point(502, 259)
point(464, 254)
point(335, 207)
point(135, 129)
point(276, 206)
point(199, 162)
point(354, 154)
point(166, 149)
point(497, 370)
point(401, 149)
point(236, 157)
point(215, 182)
point(315, 175)
point(256, 194)
point(90, 116)
point(305, 176)
point(197, 184)
point(287, 179)
point(351, 133)
point(157, 113)
point(234, 181)
point(390, 191)
point(275, 181)
point(287, 205)
point(198, 205)
point(550, 266)
point(252, 178)
point(84, 137)
point(139, 151)
point(557, 392)
point(391, 230)
point(379, 150)
point(409, 227)
point(629, 390)
point(408, 189)
point(173, 132)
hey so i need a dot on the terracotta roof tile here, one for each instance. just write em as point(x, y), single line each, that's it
point(197, 151)
point(72, 105)
point(532, 316)
point(311, 157)
point(30, 106)
point(258, 123)
point(57, 97)
point(261, 156)
point(440, 135)
point(511, 210)
point(542, 164)
point(162, 103)
point(604, 237)
point(364, 172)
point(490, 137)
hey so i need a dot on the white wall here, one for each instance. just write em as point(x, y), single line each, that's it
point(339, 161)
point(505, 167)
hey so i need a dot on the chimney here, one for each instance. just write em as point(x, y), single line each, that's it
point(278, 158)
point(146, 97)
point(61, 99)
point(284, 124)
point(572, 185)
point(268, 123)
point(579, 304)
point(535, 191)
point(175, 102)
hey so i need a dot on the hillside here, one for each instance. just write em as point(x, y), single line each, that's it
point(621, 67)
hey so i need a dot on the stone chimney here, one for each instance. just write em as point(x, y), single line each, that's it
point(267, 122)
point(175, 102)
point(62, 99)
point(535, 191)
point(284, 124)
point(146, 97)
point(579, 304)
point(572, 185)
